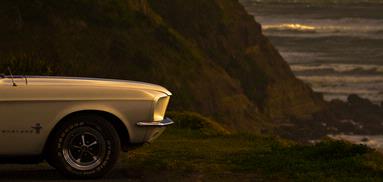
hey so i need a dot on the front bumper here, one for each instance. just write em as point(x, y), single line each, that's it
point(163, 123)
point(154, 129)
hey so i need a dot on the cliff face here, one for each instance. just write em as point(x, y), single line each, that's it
point(210, 53)
point(234, 41)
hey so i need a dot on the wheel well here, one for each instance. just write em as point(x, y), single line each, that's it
point(118, 125)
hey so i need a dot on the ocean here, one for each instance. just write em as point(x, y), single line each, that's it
point(336, 46)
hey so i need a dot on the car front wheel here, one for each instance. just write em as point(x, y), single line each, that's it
point(85, 146)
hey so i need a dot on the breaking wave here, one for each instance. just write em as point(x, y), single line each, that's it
point(291, 27)
point(337, 80)
point(306, 28)
point(347, 90)
point(340, 68)
point(348, 26)
point(340, 87)
point(374, 96)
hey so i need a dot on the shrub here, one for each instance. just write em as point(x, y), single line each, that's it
point(194, 121)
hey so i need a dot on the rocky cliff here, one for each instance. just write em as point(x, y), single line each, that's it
point(210, 53)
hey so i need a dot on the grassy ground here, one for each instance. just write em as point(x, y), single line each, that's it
point(194, 155)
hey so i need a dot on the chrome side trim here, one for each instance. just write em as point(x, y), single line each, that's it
point(163, 123)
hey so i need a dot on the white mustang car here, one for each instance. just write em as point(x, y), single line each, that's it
point(78, 125)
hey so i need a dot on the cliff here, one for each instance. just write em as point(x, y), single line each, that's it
point(210, 53)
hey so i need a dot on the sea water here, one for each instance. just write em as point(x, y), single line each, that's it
point(336, 46)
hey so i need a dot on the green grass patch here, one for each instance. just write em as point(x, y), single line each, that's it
point(191, 122)
point(185, 154)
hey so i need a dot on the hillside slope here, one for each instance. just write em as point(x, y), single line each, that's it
point(210, 53)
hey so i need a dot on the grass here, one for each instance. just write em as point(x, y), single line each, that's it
point(182, 154)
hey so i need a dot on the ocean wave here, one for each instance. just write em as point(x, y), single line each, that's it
point(373, 98)
point(340, 68)
point(295, 57)
point(347, 90)
point(294, 27)
point(334, 29)
point(313, 26)
point(342, 93)
point(338, 80)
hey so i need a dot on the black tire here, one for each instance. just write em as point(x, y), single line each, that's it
point(84, 147)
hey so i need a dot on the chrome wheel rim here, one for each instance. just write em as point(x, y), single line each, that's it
point(84, 148)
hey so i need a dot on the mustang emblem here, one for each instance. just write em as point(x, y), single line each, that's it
point(37, 128)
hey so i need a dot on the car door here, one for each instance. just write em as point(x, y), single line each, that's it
point(19, 123)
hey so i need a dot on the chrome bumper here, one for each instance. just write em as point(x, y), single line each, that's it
point(163, 123)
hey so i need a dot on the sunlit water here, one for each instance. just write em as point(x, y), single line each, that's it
point(375, 142)
point(334, 45)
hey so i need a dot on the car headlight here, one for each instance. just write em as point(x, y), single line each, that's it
point(160, 108)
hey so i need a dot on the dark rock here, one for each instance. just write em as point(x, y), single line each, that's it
point(356, 100)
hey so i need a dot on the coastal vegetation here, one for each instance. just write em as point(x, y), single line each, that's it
point(235, 99)
point(189, 153)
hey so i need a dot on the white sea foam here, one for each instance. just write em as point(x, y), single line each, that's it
point(346, 90)
point(342, 79)
point(299, 57)
point(340, 87)
point(373, 98)
point(373, 141)
point(338, 67)
point(290, 26)
point(323, 27)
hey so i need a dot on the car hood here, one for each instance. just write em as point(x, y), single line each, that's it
point(81, 81)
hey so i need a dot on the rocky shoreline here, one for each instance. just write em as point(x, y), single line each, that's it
point(356, 116)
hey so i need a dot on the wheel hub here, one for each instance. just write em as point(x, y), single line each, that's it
point(84, 148)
